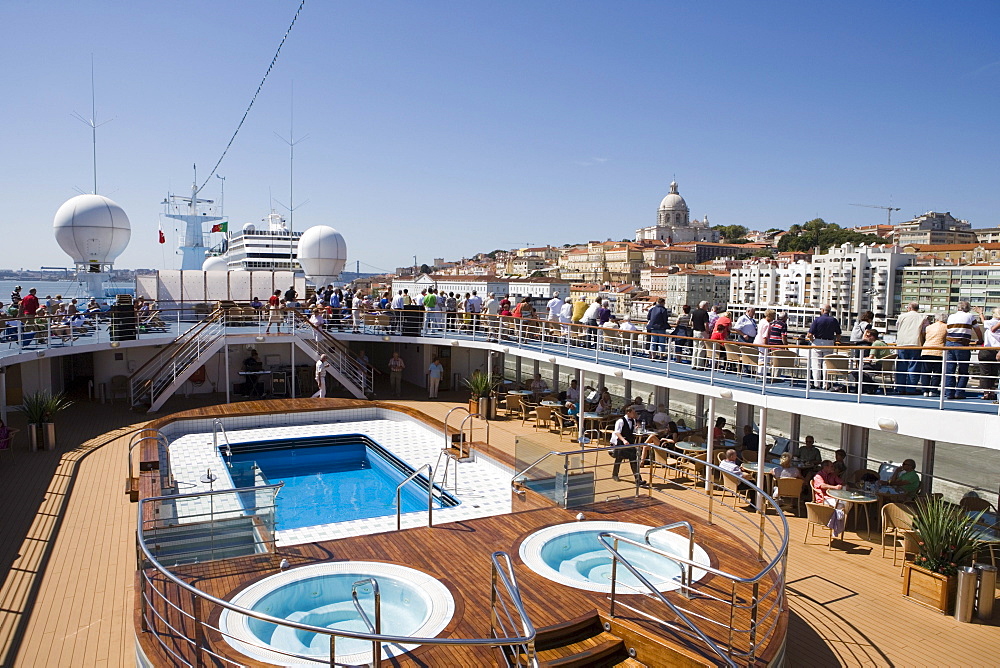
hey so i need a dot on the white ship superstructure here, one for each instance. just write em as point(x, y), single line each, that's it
point(271, 246)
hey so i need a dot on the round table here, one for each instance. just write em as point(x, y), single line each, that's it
point(751, 467)
point(854, 496)
point(521, 392)
point(553, 404)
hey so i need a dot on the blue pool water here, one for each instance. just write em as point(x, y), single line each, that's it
point(332, 479)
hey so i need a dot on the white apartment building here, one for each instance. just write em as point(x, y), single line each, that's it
point(764, 284)
point(853, 279)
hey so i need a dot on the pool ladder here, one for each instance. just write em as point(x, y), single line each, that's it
point(217, 426)
point(430, 496)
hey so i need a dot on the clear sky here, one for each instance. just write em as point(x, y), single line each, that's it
point(440, 129)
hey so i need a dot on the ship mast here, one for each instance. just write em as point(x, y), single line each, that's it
point(194, 213)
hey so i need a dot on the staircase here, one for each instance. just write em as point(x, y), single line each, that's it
point(577, 643)
point(156, 380)
point(358, 378)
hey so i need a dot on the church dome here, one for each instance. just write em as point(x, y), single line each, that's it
point(673, 201)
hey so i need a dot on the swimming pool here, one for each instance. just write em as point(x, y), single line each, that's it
point(484, 484)
point(332, 478)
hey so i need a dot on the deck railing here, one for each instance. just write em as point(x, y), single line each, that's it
point(749, 606)
point(178, 616)
point(823, 371)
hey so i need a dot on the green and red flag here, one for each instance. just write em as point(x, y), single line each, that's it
point(220, 227)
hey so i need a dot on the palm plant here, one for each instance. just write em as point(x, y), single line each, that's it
point(479, 384)
point(40, 407)
point(948, 536)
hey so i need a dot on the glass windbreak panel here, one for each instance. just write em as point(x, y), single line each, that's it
point(826, 433)
point(561, 479)
point(682, 405)
point(965, 470)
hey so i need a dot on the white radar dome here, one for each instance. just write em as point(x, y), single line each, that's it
point(92, 228)
point(215, 263)
point(322, 254)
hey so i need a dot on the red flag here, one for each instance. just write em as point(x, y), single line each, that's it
point(163, 239)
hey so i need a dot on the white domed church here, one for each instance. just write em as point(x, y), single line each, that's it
point(673, 223)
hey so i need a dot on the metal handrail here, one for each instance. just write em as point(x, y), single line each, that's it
point(461, 430)
point(430, 495)
point(616, 557)
point(217, 425)
point(137, 439)
point(518, 479)
point(508, 582)
point(687, 577)
point(375, 628)
point(447, 439)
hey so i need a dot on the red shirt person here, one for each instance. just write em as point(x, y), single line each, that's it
point(29, 305)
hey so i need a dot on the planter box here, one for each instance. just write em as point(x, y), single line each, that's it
point(933, 590)
point(49, 430)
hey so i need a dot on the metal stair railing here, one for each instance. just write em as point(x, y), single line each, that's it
point(156, 375)
point(165, 598)
point(338, 354)
point(617, 558)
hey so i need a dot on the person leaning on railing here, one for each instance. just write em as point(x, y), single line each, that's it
point(910, 328)
point(988, 365)
point(931, 356)
point(964, 330)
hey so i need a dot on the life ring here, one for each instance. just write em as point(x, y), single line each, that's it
point(198, 377)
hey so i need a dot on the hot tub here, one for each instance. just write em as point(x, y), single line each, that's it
point(571, 554)
point(413, 604)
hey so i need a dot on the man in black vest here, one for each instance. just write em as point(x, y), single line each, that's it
point(625, 436)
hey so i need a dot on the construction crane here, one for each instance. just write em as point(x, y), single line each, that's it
point(888, 210)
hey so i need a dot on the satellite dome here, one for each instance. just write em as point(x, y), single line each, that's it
point(322, 253)
point(92, 229)
point(249, 228)
point(215, 263)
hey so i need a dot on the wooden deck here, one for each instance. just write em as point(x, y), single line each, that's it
point(67, 552)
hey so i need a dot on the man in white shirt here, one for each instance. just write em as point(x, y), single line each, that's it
point(910, 328)
point(746, 325)
point(590, 319)
point(322, 365)
point(555, 307)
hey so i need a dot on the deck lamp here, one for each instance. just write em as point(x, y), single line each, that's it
point(887, 424)
point(726, 394)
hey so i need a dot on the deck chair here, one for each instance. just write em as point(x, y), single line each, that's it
point(974, 503)
point(512, 404)
point(886, 373)
point(528, 410)
point(791, 488)
point(895, 520)
point(860, 473)
point(734, 357)
point(780, 360)
point(543, 417)
point(750, 360)
point(563, 423)
point(7, 444)
point(818, 515)
point(748, 455)
point(837, 367)
point(731, 485)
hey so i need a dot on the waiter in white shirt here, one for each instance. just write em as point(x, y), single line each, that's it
point(625, 436)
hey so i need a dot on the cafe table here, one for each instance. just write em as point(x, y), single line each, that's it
point(854, 496)
point(553, 404)
point(751, 467)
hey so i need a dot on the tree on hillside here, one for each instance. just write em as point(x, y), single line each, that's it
point(424, 269)
point(818, 232)
point(731, 233)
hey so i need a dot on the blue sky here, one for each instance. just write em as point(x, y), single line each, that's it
point(439, 129)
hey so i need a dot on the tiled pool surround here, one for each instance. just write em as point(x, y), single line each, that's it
point(484, 485)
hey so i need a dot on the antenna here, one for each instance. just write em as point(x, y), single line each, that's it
point(291, 142)
point(92, 121)
point(222, 195)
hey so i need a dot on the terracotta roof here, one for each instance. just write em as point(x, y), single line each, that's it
point(938, 248)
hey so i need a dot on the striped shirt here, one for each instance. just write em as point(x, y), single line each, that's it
point(961, 324)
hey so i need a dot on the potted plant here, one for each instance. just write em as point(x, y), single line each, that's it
point(39, 408)
point(480, 386)
point(946, 541)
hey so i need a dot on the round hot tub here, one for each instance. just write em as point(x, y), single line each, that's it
point(571, 554)
point(413, 604)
